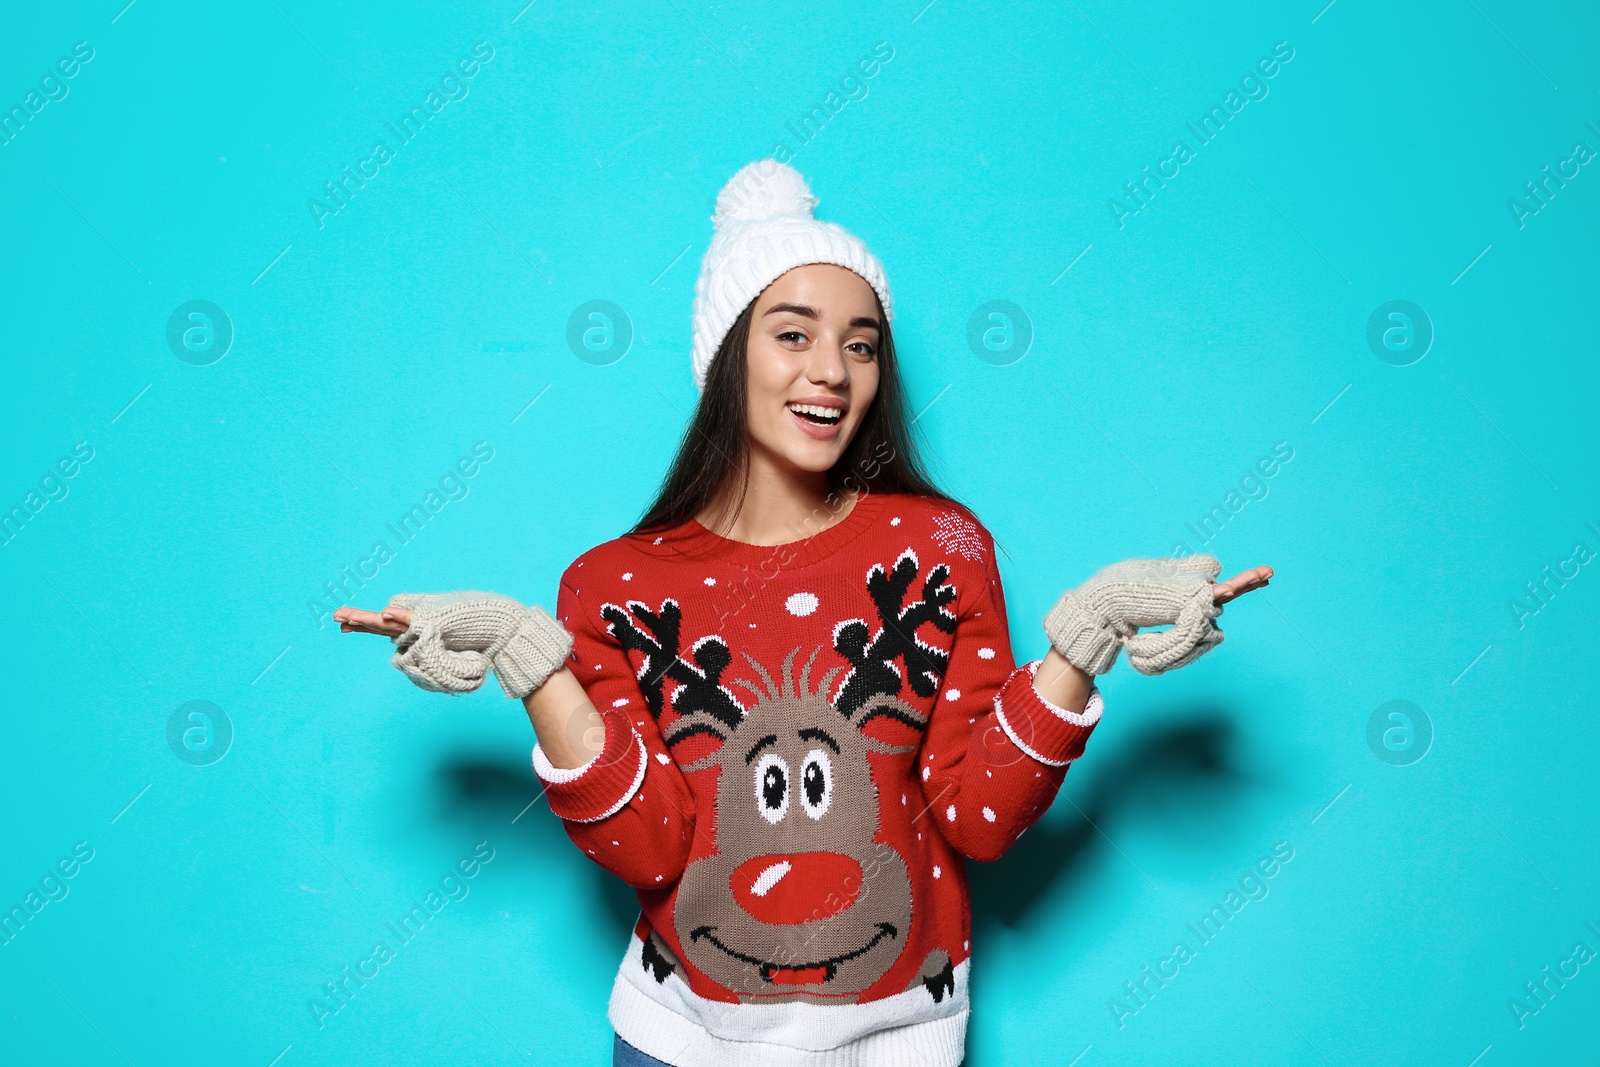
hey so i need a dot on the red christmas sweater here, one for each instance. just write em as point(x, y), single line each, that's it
point(802, 744)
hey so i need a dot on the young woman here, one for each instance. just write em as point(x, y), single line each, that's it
point(784, 706)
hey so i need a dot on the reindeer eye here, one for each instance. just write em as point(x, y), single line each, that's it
point(816, 783)
point(772, 787)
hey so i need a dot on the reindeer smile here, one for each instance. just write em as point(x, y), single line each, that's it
point(795, 973)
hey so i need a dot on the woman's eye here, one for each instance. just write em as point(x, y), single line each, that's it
point(795, 334)
point(865, 349)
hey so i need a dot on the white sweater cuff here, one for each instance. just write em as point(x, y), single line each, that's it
point(554, 775)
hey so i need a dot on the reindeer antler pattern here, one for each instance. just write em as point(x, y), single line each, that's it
point(660, 645)
point(872, 657)
point(708, 706)
point(700, 689)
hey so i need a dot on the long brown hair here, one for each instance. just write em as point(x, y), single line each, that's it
point(882, 456)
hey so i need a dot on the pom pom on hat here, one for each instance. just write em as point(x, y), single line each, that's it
point(765, 228)
point(761, 190)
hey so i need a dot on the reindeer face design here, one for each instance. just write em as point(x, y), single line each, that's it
point(800, 901)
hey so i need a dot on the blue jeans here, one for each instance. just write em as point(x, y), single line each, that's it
point(625, 1055)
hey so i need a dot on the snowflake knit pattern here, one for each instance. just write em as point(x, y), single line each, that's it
point(803, 744)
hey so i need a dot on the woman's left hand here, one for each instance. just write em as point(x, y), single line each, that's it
point(1120, 604)
point(1241, 583)
point(1066, 680)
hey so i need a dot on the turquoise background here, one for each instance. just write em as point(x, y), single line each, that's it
point(370, 354)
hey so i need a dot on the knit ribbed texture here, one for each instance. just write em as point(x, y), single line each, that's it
point(455, 639)
point(602, 785)
point(1050, 734)
point(1090, 623)
point(764, 228)
point(660, 1032)
point(830, 728)
point(1088, 641)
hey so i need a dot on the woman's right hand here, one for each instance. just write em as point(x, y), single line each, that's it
point(390, 622)
point(448, 642)
point(568, 726)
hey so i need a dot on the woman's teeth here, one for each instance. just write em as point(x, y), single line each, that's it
point(817, 413)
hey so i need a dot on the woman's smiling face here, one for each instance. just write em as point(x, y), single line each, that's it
point(813, 365)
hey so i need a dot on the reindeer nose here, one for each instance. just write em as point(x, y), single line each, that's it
point(796, 887)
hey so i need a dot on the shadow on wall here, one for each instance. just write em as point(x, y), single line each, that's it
point(1164, 772)
point(486, 793)
point(1169, 771)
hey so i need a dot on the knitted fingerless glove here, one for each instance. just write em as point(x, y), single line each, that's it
point(455, 638)
point(1090, 624)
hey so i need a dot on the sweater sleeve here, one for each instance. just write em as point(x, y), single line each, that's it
point(995, 752)
point(628, 808)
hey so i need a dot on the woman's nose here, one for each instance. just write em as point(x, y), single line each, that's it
point(828, 367)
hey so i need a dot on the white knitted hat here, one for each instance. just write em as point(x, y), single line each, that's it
point(764, 228)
